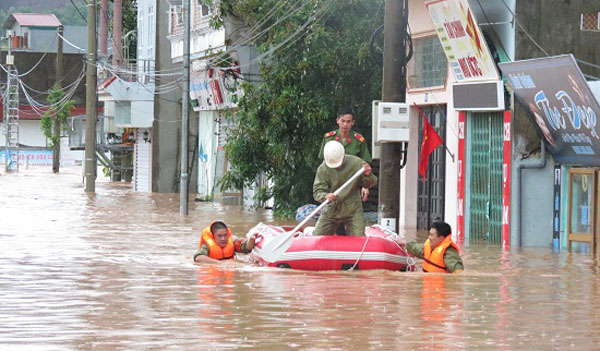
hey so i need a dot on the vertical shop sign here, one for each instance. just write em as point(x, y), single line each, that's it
point(506, 162)
point(556, 209)
point(460, 205)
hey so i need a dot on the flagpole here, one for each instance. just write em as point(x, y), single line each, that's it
point(443, 142)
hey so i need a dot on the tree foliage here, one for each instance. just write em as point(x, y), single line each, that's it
point(281, 120)
point(60, 111)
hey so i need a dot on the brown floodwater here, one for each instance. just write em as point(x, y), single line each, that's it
point(113, 271)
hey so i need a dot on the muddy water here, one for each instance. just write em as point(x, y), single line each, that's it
point(113, 271)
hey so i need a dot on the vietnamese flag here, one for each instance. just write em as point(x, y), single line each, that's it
point(431, 140)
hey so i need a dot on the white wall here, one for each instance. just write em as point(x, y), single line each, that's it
point(30, 134)
point(421, 25)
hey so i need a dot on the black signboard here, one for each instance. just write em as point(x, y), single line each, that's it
point(561, 105)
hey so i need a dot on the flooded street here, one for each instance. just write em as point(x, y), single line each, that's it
point(113, 271)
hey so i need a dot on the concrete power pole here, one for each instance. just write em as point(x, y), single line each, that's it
point(393, 90)
point(117, 33)
point(59, 73)
point(103, 28)
point(90, 101)
point(183, 181)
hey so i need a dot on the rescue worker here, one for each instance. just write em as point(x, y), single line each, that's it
point(217, 243)
point(354, 144)
point(439, 253)
point(346, 208)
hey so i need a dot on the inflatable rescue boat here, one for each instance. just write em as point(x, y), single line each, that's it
point(332, 252)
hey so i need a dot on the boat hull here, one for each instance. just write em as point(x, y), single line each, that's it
point(324, 253)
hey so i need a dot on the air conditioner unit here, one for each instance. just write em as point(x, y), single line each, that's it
point(392, 122)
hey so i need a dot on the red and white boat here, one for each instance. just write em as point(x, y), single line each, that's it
point(323, 253)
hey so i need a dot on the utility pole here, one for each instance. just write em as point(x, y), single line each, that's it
point(59, 73)
point(393, 90)
point(11, 111)
point(183, 181)
point(117, 33)
point(90, 101)
point(103, 27)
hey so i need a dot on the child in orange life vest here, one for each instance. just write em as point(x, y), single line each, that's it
point(439, 253)
point(217, 243)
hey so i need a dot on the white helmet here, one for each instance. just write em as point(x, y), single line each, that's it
point(333, 152)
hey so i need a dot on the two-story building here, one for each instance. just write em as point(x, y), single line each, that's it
point(127, 93)
point(34, 44)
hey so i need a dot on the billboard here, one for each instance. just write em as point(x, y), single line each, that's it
point(214, 88)
point(462, 41)
point(559, 102)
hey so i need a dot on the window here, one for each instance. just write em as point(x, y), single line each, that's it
point(177, 13)
point(590, 22)
point(141, 27)
point(428, 66)
point(204, 9)
point(150, 41)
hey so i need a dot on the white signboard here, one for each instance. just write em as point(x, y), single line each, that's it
point(462, 41)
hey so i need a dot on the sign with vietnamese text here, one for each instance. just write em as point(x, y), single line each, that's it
point(462, 41)
point(506, 164)
point(460, 194)
point(561, 106)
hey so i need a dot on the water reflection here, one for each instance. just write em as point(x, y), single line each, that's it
point(113, 271)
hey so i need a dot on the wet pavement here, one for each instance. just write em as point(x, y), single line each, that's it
point(113, 271)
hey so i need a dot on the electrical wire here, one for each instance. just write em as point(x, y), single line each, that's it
point(540, 47)
point(318, 14)
point(244, 39)
point(523, 28)
point(253, 39)
point(41, 59)
point(71, 44)
point(492, 27)
point(79, 12)
point(61, 88)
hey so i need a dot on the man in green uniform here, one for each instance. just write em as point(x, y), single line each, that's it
point(346, 208)
point(354, 144)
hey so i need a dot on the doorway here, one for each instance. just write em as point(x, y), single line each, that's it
point(431, 199)
point(484, 183)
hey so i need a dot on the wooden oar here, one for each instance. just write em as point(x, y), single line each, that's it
point(279, 244)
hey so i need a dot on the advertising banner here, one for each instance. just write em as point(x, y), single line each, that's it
point(561, 105)
point(214, 89)
point(462, 41)
point(30, 157)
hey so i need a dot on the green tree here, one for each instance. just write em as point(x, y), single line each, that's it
point(58, 112)
point(281, 120)
point(68, 14)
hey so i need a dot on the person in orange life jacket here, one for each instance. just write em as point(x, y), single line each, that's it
point(217, 243)
point(439, 253)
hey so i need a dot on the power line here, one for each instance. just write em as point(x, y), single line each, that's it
point(79, 12)
point(523, 28)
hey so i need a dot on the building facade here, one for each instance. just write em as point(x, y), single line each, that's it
point(494, 183)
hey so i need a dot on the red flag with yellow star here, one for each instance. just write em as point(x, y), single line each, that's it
point(431, 140)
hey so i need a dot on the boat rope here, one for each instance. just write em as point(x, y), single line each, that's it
point(411, 262)
point(361, 254)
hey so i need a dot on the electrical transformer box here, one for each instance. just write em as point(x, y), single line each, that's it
point(392, 122)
